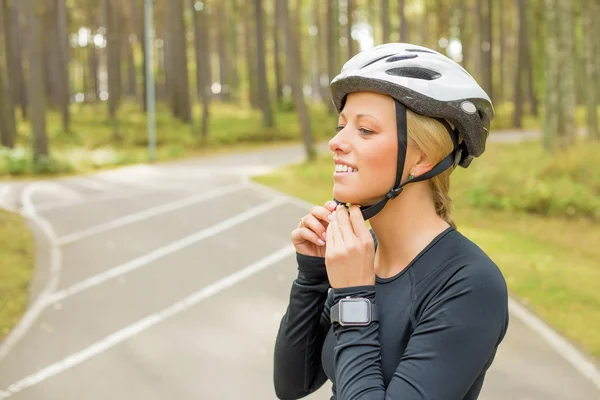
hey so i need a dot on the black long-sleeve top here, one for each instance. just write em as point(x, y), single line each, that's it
point(441, 321)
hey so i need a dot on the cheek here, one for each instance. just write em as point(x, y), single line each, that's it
point(380, 164)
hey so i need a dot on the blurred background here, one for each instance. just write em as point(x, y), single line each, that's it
point(89, 85)
point(74, 78)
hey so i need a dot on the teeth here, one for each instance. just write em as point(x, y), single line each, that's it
point(344, 168)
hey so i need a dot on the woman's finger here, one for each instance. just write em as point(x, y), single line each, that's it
point(345, 226)
point(307, 235)
point(358, 223)
point(311, 222)
point(336, 234)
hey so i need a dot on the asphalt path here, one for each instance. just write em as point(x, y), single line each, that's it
point(169, 282)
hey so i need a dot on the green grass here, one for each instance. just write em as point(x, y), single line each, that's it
point(16, 269)
point(90, 144)
point(550, 263)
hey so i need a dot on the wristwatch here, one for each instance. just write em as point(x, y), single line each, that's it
point(354, 311)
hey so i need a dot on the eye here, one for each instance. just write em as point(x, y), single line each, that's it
point(365, 131)
point(339, 128)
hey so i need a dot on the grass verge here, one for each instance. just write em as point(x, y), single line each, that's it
point(16, 269)
point(550, 263)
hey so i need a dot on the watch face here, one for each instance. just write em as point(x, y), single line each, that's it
point(354, 311)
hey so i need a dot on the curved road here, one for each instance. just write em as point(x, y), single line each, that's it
point(169, 281)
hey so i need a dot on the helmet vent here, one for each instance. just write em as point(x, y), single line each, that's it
point(420, 51)
point(375, 60)
point(404, 57)
point(414, 72)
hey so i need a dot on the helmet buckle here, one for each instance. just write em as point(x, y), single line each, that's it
point(392, 194)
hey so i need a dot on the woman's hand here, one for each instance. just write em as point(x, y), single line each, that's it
point(309, 238)
point(350, 253)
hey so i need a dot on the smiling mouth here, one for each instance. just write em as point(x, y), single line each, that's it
point(344, 169)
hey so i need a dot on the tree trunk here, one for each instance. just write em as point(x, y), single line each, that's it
point(93, 59)
point(277, 29)
point(591, 49)
point(464, 34)
point(141, 24)
point(112, 64)
point(180, 80)
point(8, 132)
point(349, 9)
point(232, 66)
point(263, 88)
point(501, 61)
point(34, 10)
point(560, 83)
point(518, 92)
point(222, 46)
point(402, 21)
point(314, 51)
point(485, 31)
point(19, 49)
point(323, 56)
point(567, 129)
point(131, 72)
point(385, 21)
point(51, 62)
point(63, 59)
point(330, 44)
point(293, 60)
point(198, 53)
point(533, 103)
point(205, 69)
point(250, 51)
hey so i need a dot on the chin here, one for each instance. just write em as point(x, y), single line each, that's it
point(347, 196)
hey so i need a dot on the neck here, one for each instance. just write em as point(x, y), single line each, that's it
point(405, 226)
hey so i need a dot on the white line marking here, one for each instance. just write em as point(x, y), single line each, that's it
point(36, 308)
point(164, 251)
point(146, 323)
point(90, 183)
point(557, 342)
point(115, 195)
point(148, 213)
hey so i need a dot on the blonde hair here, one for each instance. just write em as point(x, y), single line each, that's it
point(435, 141)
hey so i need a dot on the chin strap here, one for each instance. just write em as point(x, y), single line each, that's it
point(451, 160)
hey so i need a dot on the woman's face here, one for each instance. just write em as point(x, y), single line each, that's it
point(367, 141)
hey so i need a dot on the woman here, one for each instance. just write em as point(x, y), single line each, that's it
point(412, 309)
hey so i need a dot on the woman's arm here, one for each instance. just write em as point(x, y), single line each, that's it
point(454, 340)
point(297, 363)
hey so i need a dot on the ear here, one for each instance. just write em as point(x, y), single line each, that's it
point(421, 164)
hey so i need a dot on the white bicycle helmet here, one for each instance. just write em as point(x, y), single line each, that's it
point(428, 83)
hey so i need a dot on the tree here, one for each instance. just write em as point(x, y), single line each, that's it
point(7, 106)
point(203, 68)
point(293, 59)
point(263, 88)
point(559, 121)
point(521, 55)
point(113, 64)
point(402, 21)
point(591, 50)
point(33, 10)
point(385, 21)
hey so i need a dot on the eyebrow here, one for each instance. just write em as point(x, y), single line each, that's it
point(360, 116)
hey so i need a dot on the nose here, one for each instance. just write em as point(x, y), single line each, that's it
point(339, 144)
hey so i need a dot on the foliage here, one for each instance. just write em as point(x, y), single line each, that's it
point(90, 144)
point(16, 269)
point(526, 178)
